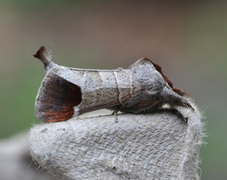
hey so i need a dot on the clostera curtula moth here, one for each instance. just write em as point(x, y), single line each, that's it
point(68, 92)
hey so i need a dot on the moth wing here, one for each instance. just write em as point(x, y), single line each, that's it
point(56, 99)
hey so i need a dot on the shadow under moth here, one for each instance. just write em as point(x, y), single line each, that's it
point(67, 92)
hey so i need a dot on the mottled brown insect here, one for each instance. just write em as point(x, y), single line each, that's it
point(66, 92)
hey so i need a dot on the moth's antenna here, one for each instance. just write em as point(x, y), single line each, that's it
point(44, 54)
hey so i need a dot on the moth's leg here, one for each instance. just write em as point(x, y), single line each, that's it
point(182, 103)
point(187, 104)
point(173, 99)
point(115, 114)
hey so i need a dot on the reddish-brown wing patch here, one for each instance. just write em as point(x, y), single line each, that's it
point(57, 99)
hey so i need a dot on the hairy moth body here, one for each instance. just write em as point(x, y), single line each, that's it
point(66, 92)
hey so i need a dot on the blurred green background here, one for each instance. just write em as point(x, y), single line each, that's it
point(187, 38)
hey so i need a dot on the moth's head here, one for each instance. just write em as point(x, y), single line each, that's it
point(148, 65)
point(176, 90)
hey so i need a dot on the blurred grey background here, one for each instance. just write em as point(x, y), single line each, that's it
point(187, 39)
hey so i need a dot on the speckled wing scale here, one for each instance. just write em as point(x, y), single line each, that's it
point(66, 92)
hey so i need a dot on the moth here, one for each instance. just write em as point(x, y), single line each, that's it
point(66, 92)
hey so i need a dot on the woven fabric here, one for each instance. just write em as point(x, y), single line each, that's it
point(161, 145)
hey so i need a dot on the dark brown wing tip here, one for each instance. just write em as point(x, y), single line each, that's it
point(44, 54)
point(56, 100)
